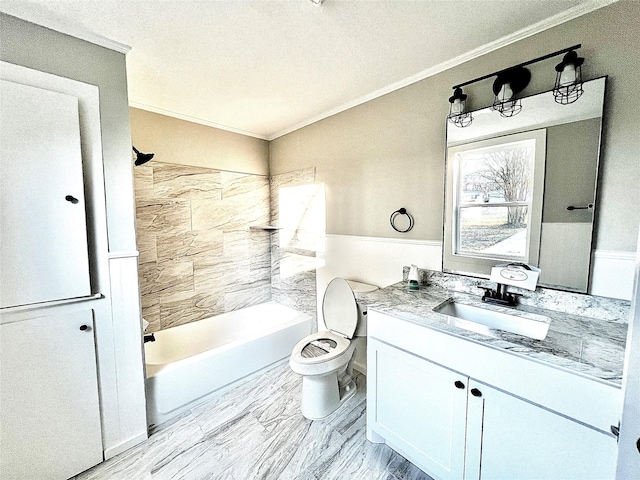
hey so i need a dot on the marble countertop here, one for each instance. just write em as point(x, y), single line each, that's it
point(580, 344)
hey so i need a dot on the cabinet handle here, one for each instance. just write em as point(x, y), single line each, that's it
point(83, 327)
point(459, 384)
point(615, 429)
point(72, 199)
point(475, 392)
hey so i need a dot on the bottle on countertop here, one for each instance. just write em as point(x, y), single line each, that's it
point(414, 278)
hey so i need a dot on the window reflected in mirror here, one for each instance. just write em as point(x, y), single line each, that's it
point(496, 208)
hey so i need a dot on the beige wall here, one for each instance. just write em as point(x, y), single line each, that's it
point(389, 153)
point(49, 51)
point(186, 143)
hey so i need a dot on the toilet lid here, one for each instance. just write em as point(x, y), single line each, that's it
point(339, 308)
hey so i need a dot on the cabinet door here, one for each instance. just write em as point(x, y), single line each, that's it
point(418, 409)
point(44, 252)
point(525, 441)
point(50, 417)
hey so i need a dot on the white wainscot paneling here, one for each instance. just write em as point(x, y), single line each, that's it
point(373, 260)
point(564, 254)
point(127, 331)
point(612, 274)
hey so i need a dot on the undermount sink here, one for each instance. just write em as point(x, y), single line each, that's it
point(483, 320)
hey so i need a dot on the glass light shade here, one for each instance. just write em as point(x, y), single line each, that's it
point(568, 86)
point(457, 106)
point(505, 101)
point(567, 75)
point(457, 109)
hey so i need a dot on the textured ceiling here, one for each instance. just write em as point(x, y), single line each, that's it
point(267, 67)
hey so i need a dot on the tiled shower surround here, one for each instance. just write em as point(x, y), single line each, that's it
point(198, 255)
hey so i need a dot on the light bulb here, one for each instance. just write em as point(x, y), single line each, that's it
point(568, 75)
point(457, 107)
point(505, 93)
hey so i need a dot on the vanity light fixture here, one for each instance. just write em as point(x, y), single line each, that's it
point(457, 111)
point(511, 81)
point(505, 88)
point(568, 87)
point(141, 158)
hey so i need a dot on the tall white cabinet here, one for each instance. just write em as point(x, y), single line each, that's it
point(71, 373)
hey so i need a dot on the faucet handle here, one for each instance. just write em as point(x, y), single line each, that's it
point(512, 297)
point(487, 291)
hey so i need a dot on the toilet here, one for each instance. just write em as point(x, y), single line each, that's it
point(325, 359)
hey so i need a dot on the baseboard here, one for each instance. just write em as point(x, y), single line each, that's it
point(126, 445)
point(362, 368)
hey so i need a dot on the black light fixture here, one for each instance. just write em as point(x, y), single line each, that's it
point(457, 110)
point(511, 81)
point(141, 158)
point(505, 88)
point(568, 87)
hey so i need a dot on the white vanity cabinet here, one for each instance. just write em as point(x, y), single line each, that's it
point(418, 407)
point(509, 437)
point(460, 410)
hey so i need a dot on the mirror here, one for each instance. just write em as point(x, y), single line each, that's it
point(523, 189)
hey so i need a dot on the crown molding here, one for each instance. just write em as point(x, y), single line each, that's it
point(71, 30)
point(558, 19)
point(188, 118)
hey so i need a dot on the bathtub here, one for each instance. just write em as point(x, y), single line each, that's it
point(189, 362)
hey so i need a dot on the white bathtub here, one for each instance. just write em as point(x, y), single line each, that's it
point(188, 362)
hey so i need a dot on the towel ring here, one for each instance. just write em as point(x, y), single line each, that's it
point(401, 211)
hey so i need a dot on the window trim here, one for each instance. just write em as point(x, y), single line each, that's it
point(481, 264)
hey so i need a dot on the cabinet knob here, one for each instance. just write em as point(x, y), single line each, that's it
point(72, 199)
point(83, 327)
point(475, 392)
point(459, 384)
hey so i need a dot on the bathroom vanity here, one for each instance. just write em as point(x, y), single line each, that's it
point(494, 405)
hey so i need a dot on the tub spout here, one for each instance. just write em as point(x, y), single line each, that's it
point(149, 338)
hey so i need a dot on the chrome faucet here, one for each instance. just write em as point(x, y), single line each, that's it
point(500, 296)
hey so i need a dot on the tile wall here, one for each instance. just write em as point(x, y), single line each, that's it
point(295, 249)
point(198, 256)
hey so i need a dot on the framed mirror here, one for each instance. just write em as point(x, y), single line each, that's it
point(524, 189)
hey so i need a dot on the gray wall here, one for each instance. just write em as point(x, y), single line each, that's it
point(49, 51)
point(389, 152)
point(187, 143)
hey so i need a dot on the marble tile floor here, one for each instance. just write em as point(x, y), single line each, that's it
point(255, 430)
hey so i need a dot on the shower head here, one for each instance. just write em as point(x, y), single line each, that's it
point(141, 158)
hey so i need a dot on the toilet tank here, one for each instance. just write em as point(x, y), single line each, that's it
point(358, 289)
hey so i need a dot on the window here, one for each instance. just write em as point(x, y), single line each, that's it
point(494, 201)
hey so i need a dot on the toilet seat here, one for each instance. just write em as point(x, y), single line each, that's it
point(339, 308)
point(342, 344)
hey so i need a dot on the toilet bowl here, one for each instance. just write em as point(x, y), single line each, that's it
point(325, 359)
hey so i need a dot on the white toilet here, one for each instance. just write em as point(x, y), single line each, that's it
point(325, 359)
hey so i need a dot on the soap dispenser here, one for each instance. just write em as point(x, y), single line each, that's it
point(414, 278)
